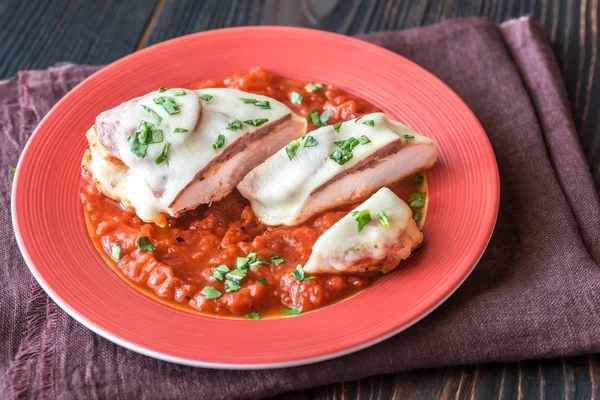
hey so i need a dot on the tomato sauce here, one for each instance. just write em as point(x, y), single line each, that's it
point(189, 247)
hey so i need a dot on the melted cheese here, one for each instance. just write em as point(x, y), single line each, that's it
point(152, 188)
point(281, 189)
point(342, 247)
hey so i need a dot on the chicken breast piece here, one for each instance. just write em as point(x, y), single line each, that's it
point(168, 152)
point(374, 237)
point(335, 165)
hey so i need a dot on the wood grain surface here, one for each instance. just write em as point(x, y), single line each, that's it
point(40, 33)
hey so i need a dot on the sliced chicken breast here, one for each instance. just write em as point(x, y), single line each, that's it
point(374, 237)
point(172, 150)
point(335, 165)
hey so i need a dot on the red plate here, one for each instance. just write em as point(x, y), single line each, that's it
point(463, 201)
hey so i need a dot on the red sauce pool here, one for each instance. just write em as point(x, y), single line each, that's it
point(188, 248)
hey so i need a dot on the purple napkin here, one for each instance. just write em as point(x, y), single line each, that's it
point(535, 293)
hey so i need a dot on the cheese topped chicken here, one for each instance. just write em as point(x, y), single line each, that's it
point(171, 150)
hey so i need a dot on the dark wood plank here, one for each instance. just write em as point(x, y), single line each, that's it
point(40, 33)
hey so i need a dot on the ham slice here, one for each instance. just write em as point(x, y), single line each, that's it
point(335, 165)
point(169, 151)
point(378, 247)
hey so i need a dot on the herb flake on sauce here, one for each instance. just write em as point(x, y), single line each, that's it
point(296, 98)
point(206, 97)
point(168, 104)
point(308, 141)
point(292, 148)
point(291, 310)
point(163, 154)
point(157, 118)
point(234, 125)
point(210, 293)
point(219, 272)
point(256, 122)
point(143, 243)
point(276, 259)
point(314, 87)
point(298, 273)
point(369, 122)
point(178, 92)
point(416, 199)
point(337, 126)
point(252, 315)
point(220, 142)
point(115, 252)
point(383, 218)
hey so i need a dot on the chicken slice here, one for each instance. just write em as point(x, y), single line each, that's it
point(335, 165)
point(389, 235)
point(169, 151)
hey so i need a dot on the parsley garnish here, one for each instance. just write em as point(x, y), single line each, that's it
point(296, 98)
point(168, 103)
point(364, 140)
point(357, 119)
point(210, 293)
point(136, 147)
point(242, 262)
point(256, 122)
point(178, 92)
point(153, 114)
point(291, 310)
point(369, 122)
point(219, 272)
point(180, 130)
point(337, 126)
point(148, 134)
point(417, 216)
point(383, 218)
point(314, 87)
point(418, 180)
point(317, 120)
point(206, 97)
point(220, 142)
point(262, 280)
point(163, 154)
point(409, 137)
point(275, 259)
point(257, 263)
point(416, 199)
point(341, 156)
point(161, 89)
point(232, 285)
point(292, 148)
point(234, 125)
point(252, 315)
point(143, 243)
point(362, 218)
point(298, 273)
point(308, 141)
point(237, 274)
point(265, 105)
point(115, 252)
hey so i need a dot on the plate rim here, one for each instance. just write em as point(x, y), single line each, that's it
point(236, 366)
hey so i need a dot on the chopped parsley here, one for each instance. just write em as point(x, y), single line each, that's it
point(115, 252)
point(168, 103)
point(147, 133)
point(220, 142)
point(262, 280)
point(265, 105)
point(416, 199)
point(298, 273)
point(348, 144)
point(314, 87)
point(275, 259)
point(237, 274)
point(292, 148)
point(337, 126)
point(210, 293)
point(153, 114)
point(357, 119)
point(163, 154)
point(219, 272)
point(252, 315)
point(242, 262)
point(341, 156)
point(232, 285)
point(206, 97)
point(256, 122)
point(178, 92)
point(12, 170)
point(180, 130)
point(369, 122)
point(136, 147)
point(408, 136)
point(161, 89)
point(418, 180)
point(417, 216)
point(257, 263)
point(362, 218)
point(291, 310)
point(313, 116)
point(308, 141)
point(234, 125)
point(364, 140)
point(296, 98)
point(143, 243)
point(383, 218)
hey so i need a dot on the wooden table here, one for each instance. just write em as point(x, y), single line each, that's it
point(40, 33)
